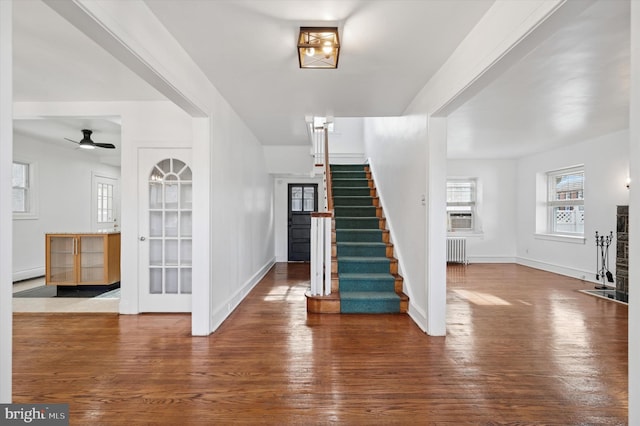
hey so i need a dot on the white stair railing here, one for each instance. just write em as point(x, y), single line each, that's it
point(321, 253)
point(321, 221)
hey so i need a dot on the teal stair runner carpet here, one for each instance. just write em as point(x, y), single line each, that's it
point(366, 283)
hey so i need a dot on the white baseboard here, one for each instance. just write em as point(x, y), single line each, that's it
point(418, 316)
point(224, 310)
point(492, 259)
point(27, 274)
point(558, 269)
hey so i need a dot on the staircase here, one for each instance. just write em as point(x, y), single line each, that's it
point(364, 271)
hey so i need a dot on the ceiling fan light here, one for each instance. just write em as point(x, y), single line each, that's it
point(85, 145)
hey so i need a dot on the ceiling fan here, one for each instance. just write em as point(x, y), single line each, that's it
point(87, 143)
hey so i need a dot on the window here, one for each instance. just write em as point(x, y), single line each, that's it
point(23, 196)
point(303, 198)
point(461, 205)
point(565, 201)
point(20, 188)
point(105, 202)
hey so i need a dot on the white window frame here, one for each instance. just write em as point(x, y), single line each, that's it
point(471, 206)
point(31, 192)
point(577, 204)
point(98, 178)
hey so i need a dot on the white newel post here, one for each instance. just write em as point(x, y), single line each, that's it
point(321, 253)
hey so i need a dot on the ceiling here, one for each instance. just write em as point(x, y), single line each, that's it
point(572, 86)
point(55, 130)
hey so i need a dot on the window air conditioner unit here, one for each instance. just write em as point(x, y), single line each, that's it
point(461, 221)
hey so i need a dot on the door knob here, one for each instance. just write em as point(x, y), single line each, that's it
point(142, 238)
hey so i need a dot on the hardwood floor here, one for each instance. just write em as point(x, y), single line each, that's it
point(523, 347)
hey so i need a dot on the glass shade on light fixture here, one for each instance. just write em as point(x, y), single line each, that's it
point(318, 47)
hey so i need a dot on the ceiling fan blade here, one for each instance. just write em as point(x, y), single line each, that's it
point(71, 140)
point(105, 145)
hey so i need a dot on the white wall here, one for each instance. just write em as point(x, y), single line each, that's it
point(496, 208)
point(346, 142)
point(397, 151)
point(606, 163)
point(63, 191)
point(285, 159)
point(243, 214)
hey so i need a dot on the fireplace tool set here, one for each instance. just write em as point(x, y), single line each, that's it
point(602, 260)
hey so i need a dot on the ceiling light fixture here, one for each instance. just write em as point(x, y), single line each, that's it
point(318, 47)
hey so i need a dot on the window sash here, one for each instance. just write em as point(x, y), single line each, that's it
point(567, 182)
point(461, 198)
point(105, 203)
point(461, 192)
point(565, 201)
point(20, 186)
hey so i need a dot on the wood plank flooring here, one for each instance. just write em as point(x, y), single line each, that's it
point(523, 347)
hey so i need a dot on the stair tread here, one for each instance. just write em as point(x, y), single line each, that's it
point(365, 275)
point(363, 258)
point(358, 217)
point(360, 244)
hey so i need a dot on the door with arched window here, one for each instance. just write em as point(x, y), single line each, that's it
point(165, 216)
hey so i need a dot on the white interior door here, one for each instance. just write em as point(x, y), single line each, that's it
point(165, 229)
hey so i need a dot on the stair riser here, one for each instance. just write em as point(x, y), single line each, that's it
point(373, 236)
point(347, 285)
point(349, 175)
point(357, 211)
point(351, 183)
point(364, 201)
point(353, 192)
point(352, 267)
point(348, 167)
point(369, 306)
point(360, 223)
point(371, 251)
point(354, 201)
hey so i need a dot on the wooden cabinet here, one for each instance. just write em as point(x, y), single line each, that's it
point(82, 259)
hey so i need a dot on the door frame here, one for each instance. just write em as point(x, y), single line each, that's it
point(160, 302)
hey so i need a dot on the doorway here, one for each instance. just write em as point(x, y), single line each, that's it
point(302, 200)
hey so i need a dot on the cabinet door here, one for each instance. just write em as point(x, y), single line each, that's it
point(91, 251)
point(61, 259)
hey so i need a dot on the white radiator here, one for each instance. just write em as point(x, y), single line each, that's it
point(457, 250)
